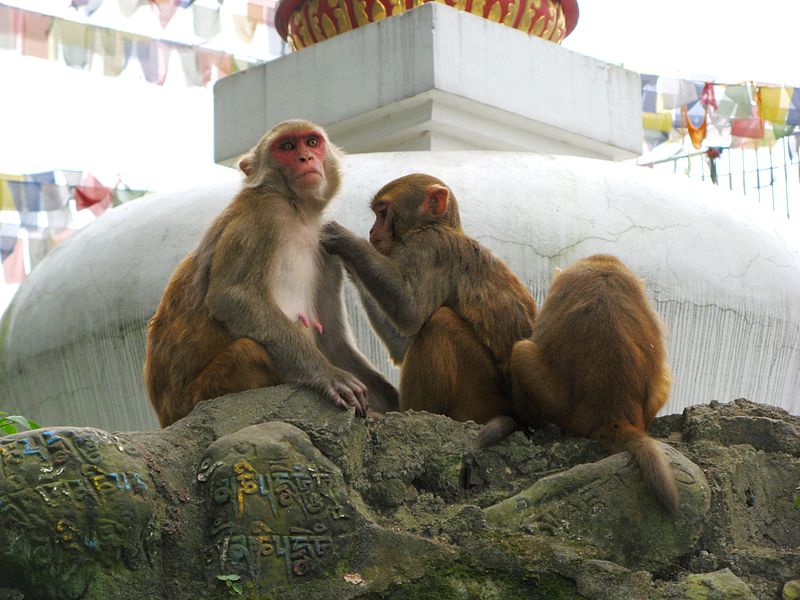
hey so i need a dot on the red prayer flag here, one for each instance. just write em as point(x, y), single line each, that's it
point(14, 264)
point(166, 10)
point(35, 30)
point(707, 96)
point(91, 192)
point(752, 127)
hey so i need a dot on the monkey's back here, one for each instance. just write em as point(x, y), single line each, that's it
point(492, 299)
point(602, 338)
point(181, 338)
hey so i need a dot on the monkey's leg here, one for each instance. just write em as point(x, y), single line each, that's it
point(446, 370)
point(539, 394)
point(242, 365)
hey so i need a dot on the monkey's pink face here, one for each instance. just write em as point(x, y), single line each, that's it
point(302, 157)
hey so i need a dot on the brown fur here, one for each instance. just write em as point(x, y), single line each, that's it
point(448, 310)
point(221, 327)
point(596, 365)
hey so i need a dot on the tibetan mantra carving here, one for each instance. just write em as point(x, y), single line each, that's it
point(74, 503)
point(276, 504)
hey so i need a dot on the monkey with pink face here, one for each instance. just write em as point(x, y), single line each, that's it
point(258, 302)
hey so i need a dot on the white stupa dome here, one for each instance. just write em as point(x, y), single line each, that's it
point(725, 279)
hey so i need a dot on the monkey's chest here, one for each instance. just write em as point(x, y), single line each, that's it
point(294, 279)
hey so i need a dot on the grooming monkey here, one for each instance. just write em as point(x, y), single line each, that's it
point(257, 303)
point(447, 309)
point(596, 366)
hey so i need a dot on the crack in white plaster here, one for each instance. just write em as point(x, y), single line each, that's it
point(750, 264)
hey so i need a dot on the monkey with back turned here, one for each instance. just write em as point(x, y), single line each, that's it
point(258, 303)
point(595, 365)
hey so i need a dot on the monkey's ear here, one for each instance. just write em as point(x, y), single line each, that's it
point(247, 164)
point(435, 200)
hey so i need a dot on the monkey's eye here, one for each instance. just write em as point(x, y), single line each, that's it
point(313, 142)
point(287, 145)
point(380, 211)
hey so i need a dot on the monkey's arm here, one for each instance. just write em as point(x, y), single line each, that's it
point(408, 305)
point(396, 343)
point(336, 339)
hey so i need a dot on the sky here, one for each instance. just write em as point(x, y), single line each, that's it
point(55, 117)
point(726, 40)
point(161, 138)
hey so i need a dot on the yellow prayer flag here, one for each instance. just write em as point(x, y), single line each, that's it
point(660, 121)
point(775, 103)
point(6, 197)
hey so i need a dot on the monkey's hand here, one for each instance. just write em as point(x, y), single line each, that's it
point(345, 390)
point(332, 236)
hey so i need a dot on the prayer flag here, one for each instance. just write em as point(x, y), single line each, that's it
point(775, 103)
point(35, 31)
point(190, 61)
point(697, 132)
point(100, 207)
point(166, 10)
point(649, 93)
point(91, 192)
point(115, 51)
point(206, 21)
point(793, 114)
point(8, 238)
point(51, 196)
point(37, 249)
point(737, 102)
point(245, 27)
point(91, 5)
point(57, 220)
point(14, 264)
point(6, 195)
point(10, 25)
point(707, 96)
point(781, 131)
point(654, 121)
point(27, 195)
point(752, 128)
point(73, 38)
point(654, 138)
point(678, 92)
point(259, 10)
point(154, 58)
point(123, 195)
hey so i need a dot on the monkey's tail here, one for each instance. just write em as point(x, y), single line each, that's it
point(648, 453)
point(495, 430)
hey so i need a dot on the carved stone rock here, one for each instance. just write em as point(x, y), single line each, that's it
point(274, 493)
point(607, 505)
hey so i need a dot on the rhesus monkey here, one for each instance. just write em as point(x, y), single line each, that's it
point(257, 303)
point(448, 310)
point(596, 365)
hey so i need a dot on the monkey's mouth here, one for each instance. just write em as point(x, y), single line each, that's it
point(381, 245)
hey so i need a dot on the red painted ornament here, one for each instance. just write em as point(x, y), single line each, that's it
point(305, 22)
